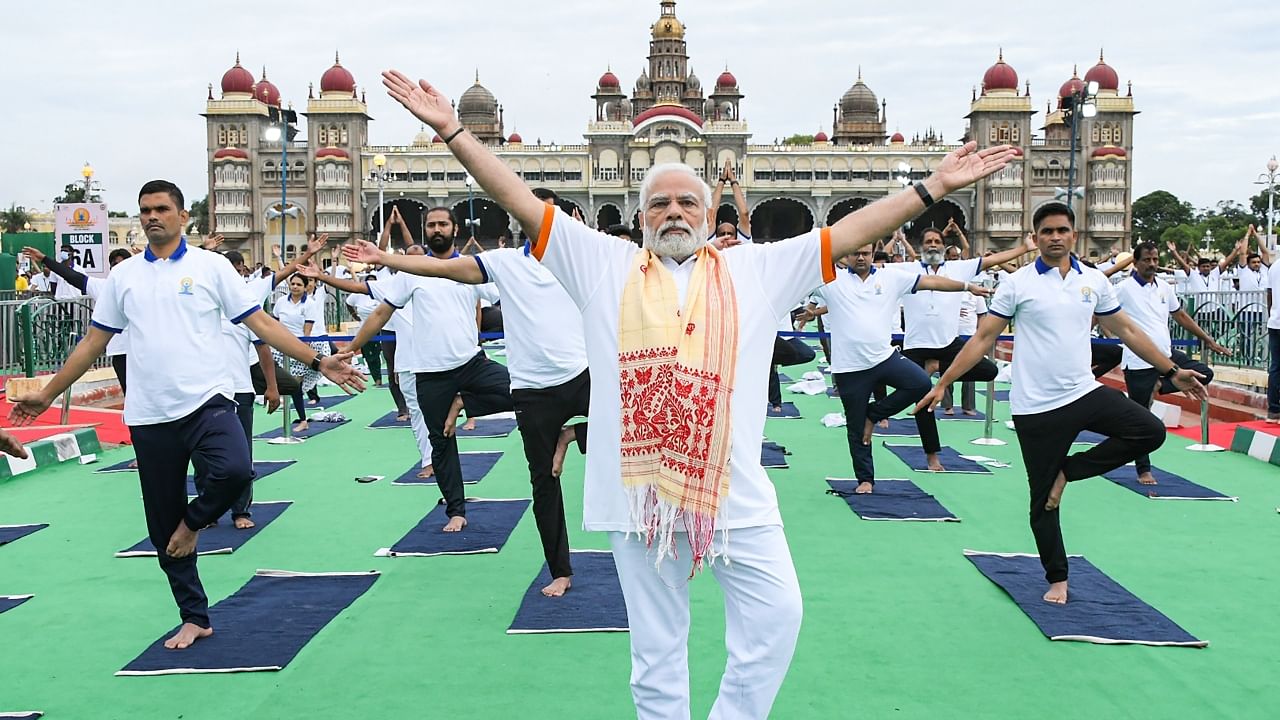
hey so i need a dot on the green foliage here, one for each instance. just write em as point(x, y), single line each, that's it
point(14, 218)
point(798, 140)
point(200, 215)
point(74, 193)
point(1183, 237)
point(1156, 212)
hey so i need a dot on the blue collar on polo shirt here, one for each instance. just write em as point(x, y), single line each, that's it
point(528, 246)
point(851, 272)
point(936, 268)
point(1042, 267)
point(1140, 281)
point(177, 254)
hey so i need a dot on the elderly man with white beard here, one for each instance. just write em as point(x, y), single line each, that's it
point(678, 338)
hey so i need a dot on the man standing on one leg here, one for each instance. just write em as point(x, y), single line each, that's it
point(1054, 395)
point(678, 342)
point(933, 324)
point(179, 405)
point(859, 308)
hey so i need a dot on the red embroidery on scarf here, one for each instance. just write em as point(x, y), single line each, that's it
point(667, 410)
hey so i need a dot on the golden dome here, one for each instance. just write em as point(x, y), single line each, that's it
point(668, 28)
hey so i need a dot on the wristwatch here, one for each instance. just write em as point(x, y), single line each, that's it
point(1167, 374)
point(315, 362)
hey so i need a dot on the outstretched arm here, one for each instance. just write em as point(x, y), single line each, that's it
point(1182, 259)
point(1186, 321)
point(10, 445)
point(942, 283)
point(1225, 262)
point(1121, 265)
point(1119, 325)
point(372, 325)
point(431, 107)
point(343, 284)
point(989, 328)
point(314, 245)
point(334, 367)
point(28, 407)
point(739, 200)
point(78, 280)
point(461, 269)
point(1000, 258)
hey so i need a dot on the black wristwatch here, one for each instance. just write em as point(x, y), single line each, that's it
point(1169, 373)
point(315, 362)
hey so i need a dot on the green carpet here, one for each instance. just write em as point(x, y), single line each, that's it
point(897, 622)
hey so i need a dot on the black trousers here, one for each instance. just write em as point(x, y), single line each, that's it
point(485, 387)
point(788, 352)
point(491, 319)
point(1141, 385)
point(1046, 437)
point(540, 413)
point(211, 439)
point(286, 384)
point(119, 364)
point(244, 413)
point(372, 353)
point(909, 383)
point(1104, 358)
point(983, 371)
point(393, 380)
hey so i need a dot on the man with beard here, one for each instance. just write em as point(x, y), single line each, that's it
point(548, 366)
point(1150, 303)
point(1054, 395)
point(678, 338)
point(932, 336)
point(451, 370)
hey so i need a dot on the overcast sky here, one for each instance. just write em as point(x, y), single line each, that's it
point(121, 84)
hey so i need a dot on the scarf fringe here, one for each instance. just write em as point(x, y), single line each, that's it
point(655, 522)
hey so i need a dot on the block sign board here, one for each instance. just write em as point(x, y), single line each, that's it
point(84, 226)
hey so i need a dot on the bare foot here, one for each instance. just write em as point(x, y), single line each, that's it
point(777, 408)
point(455, 524)
point(949, 411)
point(1146, 478)
point(313, 402)
point(427, 471)
point(865, 488)
point(470, 424)
point(183, 541)
point(558, 587)
point(1057, 593)
point(244, 523)
point(1055, 495)
point(451, 422)
point(302, 426)
point(885, 423)
point(133, 465)
point(402, 417)
point(866, 432)
point(935, 465)
point(562, 447)
point(930, 367)
point(971, 413)
point(186, 635)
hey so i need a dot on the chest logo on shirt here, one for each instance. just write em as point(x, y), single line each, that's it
point(186, 283)
point(1087, 295)
point(879, 291)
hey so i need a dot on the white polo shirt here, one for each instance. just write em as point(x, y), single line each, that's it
point(768, 279)
point(1148, 304)
point(401, 320)
point(972, 307)
point(119, 343)
point(543, 327)
point(1273, 282)
point(363, 305)
point(173, 307)
point(932, 317)
point(860, 315)
point(445, 313)
point(1250, 280)
point(40, 282)
point(1198, 283)
point(241, 340)
point(66, 290)
point(1053, 315)
point(295, 315)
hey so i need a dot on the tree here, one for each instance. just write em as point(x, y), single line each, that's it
point(1258, 205)
point(1228, 221)
point(74, 193)
point(1156, 212)
point(200, 215)
point(1184, 237)
point(117, 214)
point(14, 218)
point(798, 140)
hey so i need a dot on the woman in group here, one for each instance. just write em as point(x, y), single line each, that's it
point(301, 313)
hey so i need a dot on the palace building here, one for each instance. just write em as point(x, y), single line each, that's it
point(330, 181)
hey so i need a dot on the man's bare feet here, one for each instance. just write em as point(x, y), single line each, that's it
point(133, 465)
point(427, 471)
point(558, 587)
point(1057, 593)
point(935, 465)
point(244, 523)
point(183, 541)
point(451, 421)
point(1055, 494)
point(302, 426)
point(562, 447)
point(949, 411)
point(865, 488)
point(186, 635)
point(971, 413)
point(470, 424)
point(1146, 478)
point(885, 423)
point(455, 524)
point(402, 417)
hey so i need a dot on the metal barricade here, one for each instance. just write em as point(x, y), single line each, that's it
point(39, 333)
point(1236, 319)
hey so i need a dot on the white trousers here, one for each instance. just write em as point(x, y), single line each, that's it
point(409, 386)
point(762, 608)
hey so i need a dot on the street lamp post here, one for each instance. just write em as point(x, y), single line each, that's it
point(1081, 103)
point(87, 172)
point(1268, 178)
point(471, 207)
point(379, 163)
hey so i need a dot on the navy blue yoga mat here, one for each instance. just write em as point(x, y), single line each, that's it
point(958, 414)
point(261, 468)
point(898, 427)
point(389, 421)
point(773, 455)
point(122, 466)
point(263, 626)
point(223, 538)
point(913, 456)
point(892, 500)
point(593, 604)
point(1168, 485)
point(788, 411)
point(488, 428)
point(1098, 609)
point(1089, 437)
point(26, 715)
point(315, 428)
point(329, 401)
point(784, 378)
point(9, 533)
point(475, 465)
point(489, 525)
point(9, 602)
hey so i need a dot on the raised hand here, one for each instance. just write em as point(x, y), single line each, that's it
point(35, 255)
point(338, 369)
point(316, 244)
point(28, 407)
point(10, 445)
point(362, 251)
point(213, 242)
point(1030, 242)
point(275, 251)
point(968, 165)
point(422, 99)
point(308, 270)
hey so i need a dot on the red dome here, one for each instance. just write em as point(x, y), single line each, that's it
point(515, 138)
point(1000, 76)
point(332, 152)
point(897, 138)
point(661, 110)
point(1071, 86)
point(609, 80)
point(337, 79)
point(1110, 151)
point(231, 153)
point(726, 80)
point(266, 91)
point(1104, 75)
point(821, 137)
point(237, 79)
